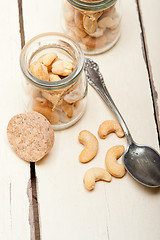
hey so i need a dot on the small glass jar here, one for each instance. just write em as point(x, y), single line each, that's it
point(62, 102)
point(94, 24)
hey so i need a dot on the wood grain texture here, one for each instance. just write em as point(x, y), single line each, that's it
point(122, 209)
point(21, 27)
point(149, 13)
point(34, 206)
point(14, 173)
point(33, 210)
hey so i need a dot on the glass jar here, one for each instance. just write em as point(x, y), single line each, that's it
point(94, 24)
point(61, 101)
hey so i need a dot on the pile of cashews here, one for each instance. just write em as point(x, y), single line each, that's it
point(93, 30)
point(113, 168)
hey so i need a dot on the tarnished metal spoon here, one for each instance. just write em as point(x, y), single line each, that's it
point(142, 162)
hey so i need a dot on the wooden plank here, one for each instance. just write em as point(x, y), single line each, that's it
point(32, 189)
point(122, 209)
point(150, 17)
point(14, 173)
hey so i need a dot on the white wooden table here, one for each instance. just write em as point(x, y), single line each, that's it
point(55, 204)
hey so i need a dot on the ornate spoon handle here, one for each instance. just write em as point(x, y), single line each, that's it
point(95, 78)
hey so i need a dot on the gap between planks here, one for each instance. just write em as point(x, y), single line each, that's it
point(32, 186)
point(149, 70)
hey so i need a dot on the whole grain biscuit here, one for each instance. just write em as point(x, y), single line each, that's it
point(30, 135)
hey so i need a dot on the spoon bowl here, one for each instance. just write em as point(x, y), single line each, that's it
point(142, 162)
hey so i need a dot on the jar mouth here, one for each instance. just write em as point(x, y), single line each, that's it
point(55, 41)
point(92, 6)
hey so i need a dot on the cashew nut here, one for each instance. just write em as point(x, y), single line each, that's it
point(108, 127)
point(92, 42)
point(98, 33)
point(106, 22)
point(54, 77)
point(66, 72)
point(53, 98)
point(41, 107)
point(94, 16)
point(40, 71)
point(68, 65)
point(67, 108)
point(49, 58)
point(77, 104)
point(40, 59)
point(110, 12)
point(42, 101)
point(93, 175)
point(58, 67)
point(116, 23)
point(73, 96)
point(114, 168)
point(78, 19)
point(91, 146)
point(63, 68)
point(63, 117)
point(79, 32)
point(68, 12)
point(89, 41)
point(90, 24)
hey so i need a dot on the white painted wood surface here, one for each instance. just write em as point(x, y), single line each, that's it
point(151, 20)
point(14, 173)
point(122, 209)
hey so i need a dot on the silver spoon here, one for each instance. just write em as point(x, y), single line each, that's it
point(142, 162)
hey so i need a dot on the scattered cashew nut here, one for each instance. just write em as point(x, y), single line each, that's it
point(91, 146)
point(108, 127)
point(113, 167)
point(93, 175)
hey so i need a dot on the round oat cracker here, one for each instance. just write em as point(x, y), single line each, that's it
point(30, 135)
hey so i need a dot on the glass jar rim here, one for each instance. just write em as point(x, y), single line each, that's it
point(73, 77)
point(92, 6)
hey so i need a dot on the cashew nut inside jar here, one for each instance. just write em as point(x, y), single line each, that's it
point(94, 24)
point(54, 83)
